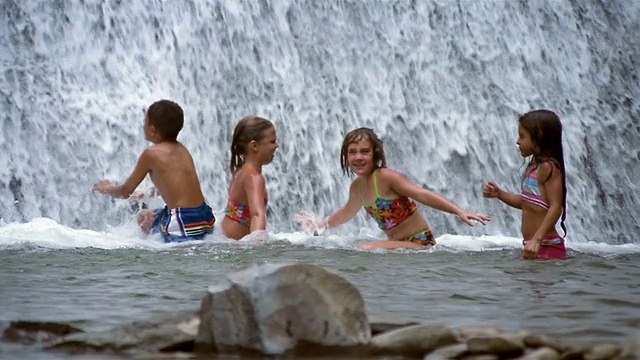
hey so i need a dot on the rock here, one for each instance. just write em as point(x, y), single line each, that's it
point(277, 308)
point(509, 345)
point(380, 325)
point(543, 353)
point(631, 348)
point(602, 352)
point(29, 332)
point(470, 331)
point(448, 352)
point(168, 332)
point(416, 340)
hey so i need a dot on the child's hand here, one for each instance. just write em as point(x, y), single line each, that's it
point(257, 237)
point(102, 186)
point(491, 190)
point(531, 249)
point(309, 222)
point(137, 195)
point(468, 218)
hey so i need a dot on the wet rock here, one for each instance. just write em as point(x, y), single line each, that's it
point(602, 352)
point(168, 332)
point(631, 348)
point(380, 324)
point(470, 331)
point(455, 351)
point(504, 345)
point(543, 353)
point(30, 332)
point(416, 340)
point(278, 308)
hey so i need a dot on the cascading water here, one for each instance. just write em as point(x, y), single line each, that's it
point(442, 82)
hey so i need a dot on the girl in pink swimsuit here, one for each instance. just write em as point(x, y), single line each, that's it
point(254, 144)
point(386, 195)
point(543, 196)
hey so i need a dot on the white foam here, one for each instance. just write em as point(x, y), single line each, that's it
point(47, 233)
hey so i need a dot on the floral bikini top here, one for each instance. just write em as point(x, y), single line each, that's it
point(388, 213)
point(240, 212)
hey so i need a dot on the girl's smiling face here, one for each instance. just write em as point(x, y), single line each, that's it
point(360, 157)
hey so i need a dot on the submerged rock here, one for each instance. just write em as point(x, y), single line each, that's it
point(30, 332)
point(168, 332)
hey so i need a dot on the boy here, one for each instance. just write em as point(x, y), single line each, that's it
point(185, 216)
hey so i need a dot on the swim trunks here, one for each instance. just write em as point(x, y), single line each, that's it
point(551, 247)
point(182, 224)
point(424, 237)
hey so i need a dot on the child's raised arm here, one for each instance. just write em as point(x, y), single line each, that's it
point(125, 189)
point(491, 190)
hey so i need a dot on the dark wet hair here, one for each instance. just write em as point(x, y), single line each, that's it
point(379, 160)
point(545, 130)
point(168, 117)
point(250, 128)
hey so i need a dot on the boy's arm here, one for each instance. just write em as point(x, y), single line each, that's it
point(125, 189)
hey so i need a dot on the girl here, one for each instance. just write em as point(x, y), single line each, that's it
point(253, 145)
point(385, 195)
point(544, 192)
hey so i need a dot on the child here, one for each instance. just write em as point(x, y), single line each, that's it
point(170, 166)
point(544, 192)
point(253, 145)
point(386, 196)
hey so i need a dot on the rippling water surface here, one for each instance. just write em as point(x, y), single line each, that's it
point(591, 296)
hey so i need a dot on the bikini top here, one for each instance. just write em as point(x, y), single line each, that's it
point(531, 189)
point(388, 213)
point(240, 212)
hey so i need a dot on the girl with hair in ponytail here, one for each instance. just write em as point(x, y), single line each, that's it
point(254, 144)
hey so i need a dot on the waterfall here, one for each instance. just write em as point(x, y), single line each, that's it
point(441, 81)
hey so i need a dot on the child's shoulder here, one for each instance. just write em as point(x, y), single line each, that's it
point(388, 174)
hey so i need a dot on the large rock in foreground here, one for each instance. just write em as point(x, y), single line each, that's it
point(273, 309)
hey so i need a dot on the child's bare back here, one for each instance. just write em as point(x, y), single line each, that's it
point(173, 173)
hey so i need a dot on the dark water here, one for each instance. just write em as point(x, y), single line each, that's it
point(586, 298)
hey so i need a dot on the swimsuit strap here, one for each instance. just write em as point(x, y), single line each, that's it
point(375, 186)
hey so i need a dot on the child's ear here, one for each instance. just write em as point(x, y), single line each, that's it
point(253, 145)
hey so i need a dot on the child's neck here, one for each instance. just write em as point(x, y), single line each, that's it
point(255, 165)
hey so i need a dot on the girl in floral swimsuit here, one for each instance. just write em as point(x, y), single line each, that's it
point(386, 196)
point(254, 144)
point(543, 196)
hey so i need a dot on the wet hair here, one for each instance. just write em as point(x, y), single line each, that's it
point(379, 160)
point(250, 128)
point(545, 130)
point(167, 117)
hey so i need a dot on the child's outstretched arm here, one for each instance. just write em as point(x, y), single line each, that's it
point(403, 186)
point(125, 189)
point(310, 223)
point(491, 190)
